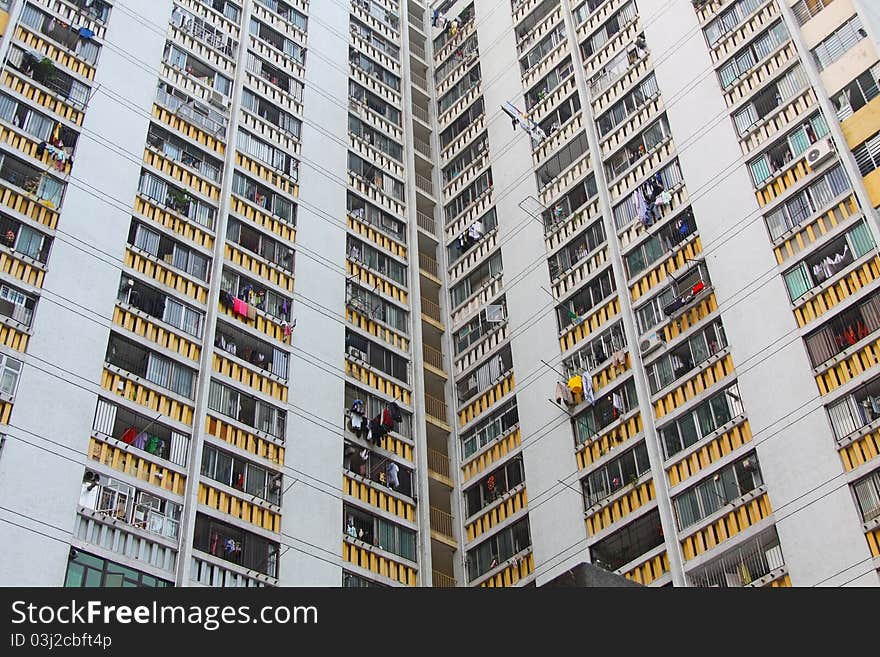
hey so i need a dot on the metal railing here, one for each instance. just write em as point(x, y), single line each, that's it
point(431, 309)
point(426, 222)
point(421, 113)
point(441, 580)
point(433, 357)
point(436, 408)
point(438, 462)
point(422, 146)
point(441, 522)
point(184, 110)
point(419, 80)
point(742, 566)
point(417, 49)
point(428, 264)
point(424, 184)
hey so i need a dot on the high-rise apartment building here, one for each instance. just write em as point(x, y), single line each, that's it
point(374, 293)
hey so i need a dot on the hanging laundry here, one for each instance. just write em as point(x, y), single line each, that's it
point(141, 440)
point(396, 415)
point(251, 312)
point(128, 435)
point(641, 208)
point(576, 385)
point(618, 358)
point(356, 417)
point(589, 396)
point(240, 307)
point(617, 403)
point(563, 394)
point(663, 198)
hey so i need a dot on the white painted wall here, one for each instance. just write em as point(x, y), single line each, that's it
point(54, 408)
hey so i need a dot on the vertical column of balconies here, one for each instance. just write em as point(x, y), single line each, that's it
point(381, 480)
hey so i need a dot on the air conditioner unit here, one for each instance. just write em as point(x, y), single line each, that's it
point(819, 152)
point(219, 100)
point(651, 343)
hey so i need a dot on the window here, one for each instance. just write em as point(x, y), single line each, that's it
point(486, 271)
point(729, 19)
point(485, 376)
point(661, 243)
point(844, 330)
point(379, 357)
point(10, 370)
point(637, 148)
point(867, 492)
point(597, 350)
point(473, 235)
point(88, 571)
point(728, 484)
point(577, 148)
point(606, 410)
point(372, 258)
point(366, 212)
point(828, 261)
point(748, 57)
point(542, 49)
point(867, 154)
point(374, 405)
point(617, 23)
point(578, 249)
point(273, 202)
point(787, 150)
point(375, 138)
point(771, 97)
point(857, 93)
point(479, 327)
point(475, 190)
point(686, 356)
point(615, 475)
point(804, 10)
point(460, 89)
point(457, 127)
point(701, 420)
point(575, 309)
point(573, 200)
point(618, 113)
point(806, 203)
point(856, 410)
point(625, 212)
point(241, 474)
point(248, 410)
point(375, 176)
point(371, 101)
point(235, 545)
point(268, 154)
point(379, 532)
point(842, 40)
point(501, 420)
point(271, 113)
point(494, 485)
point(366, 303)
point(499, 548)
point(373, 69)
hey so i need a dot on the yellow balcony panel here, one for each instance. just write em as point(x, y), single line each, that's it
point(28, 206)
point(61, 56)
point(660, 273)
point(809, 233)
point(597, 317)
point(380, 499)
point(592, 450)
point(263, 383)
point(284, 230)
point(267, 174)
point(137, 466)
point(40, 97)
point(141, 394)
point(4, 21)
point(29, 146)
point(782, 182)
point(375, 282)
point(256, 265)
point(189, 230)
point(364, 557)
point(695, 461)
point(729, 525)
point(780, 582)
point(26, 270)
point(182, 126)
point(650, 570)
point(378, 238)
point(149, 328)
point(861, 450)
point(873, 538)
point(243, 439)
point(499, 449)
point(182, 174)
point(863, 124)
point(251, 512)
point(372, 378)
point(509, 576)
point(265, 324)
point(5, 412)
point(698, 383)
point(486, 400)
point(872, 184)
point(165, 275)
point(498, 513)
point(850, 368)
point(828, 297)
point(610, 373)
point(693, 315)
point(13, 337)
point(377, 329)
point(608, 512)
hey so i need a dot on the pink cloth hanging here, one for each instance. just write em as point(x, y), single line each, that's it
point(240, 307)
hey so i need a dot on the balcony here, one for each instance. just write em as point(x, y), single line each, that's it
point(438, 467)
point(436, 410)
point(755, 563)
point(441, 580)
point(441, 527)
